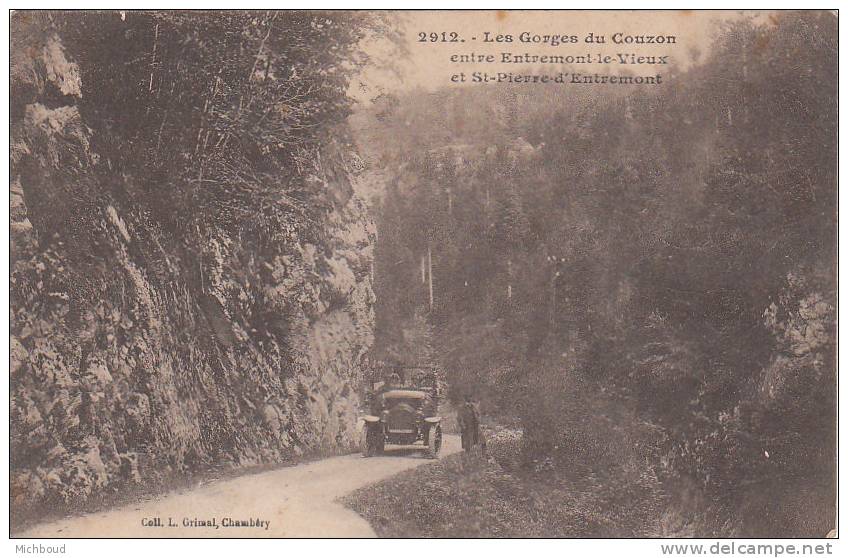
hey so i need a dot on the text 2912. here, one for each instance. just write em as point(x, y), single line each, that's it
point(443, 37)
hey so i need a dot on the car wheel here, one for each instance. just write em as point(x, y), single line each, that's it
point(434, 442)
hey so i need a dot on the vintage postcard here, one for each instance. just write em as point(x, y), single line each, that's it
point(424, 274)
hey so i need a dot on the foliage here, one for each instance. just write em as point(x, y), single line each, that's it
point(506, 503)
point(648, 276)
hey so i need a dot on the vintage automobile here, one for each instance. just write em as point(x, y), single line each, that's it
point(402, 416)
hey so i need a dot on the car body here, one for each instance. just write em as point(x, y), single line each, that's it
point(402, 416)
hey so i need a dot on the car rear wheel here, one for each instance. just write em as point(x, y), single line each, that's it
point(434, 442)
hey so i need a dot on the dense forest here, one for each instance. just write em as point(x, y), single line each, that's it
point(645, 279)
point(212, 245)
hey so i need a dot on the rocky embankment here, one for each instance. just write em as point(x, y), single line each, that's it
point(134, 358)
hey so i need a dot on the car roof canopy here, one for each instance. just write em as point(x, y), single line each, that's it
point(405, 394)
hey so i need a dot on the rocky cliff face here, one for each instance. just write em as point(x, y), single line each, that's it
point(135, 358)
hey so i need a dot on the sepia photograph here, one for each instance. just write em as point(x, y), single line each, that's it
point(423, 274)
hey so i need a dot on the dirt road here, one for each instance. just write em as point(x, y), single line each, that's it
point(297, 501)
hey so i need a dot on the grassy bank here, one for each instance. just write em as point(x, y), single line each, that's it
point(467, 496)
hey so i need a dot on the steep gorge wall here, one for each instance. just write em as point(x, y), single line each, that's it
point(135, 360)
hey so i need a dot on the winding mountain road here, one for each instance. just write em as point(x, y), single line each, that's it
point(298, 501)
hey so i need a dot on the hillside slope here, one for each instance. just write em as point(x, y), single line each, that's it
point(153, 335)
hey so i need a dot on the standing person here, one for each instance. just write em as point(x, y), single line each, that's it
point(468, 418)
point(378, 402)
point(394, 381)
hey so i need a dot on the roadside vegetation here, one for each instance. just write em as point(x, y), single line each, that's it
point(465, 495)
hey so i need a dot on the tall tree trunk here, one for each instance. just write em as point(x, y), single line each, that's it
point(430, 274)
point(153, 58)
point(509, 279)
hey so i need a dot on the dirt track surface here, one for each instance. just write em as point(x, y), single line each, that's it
point(297, 501)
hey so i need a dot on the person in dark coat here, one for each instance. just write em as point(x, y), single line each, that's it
point(378, 402)
point(468, 418)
